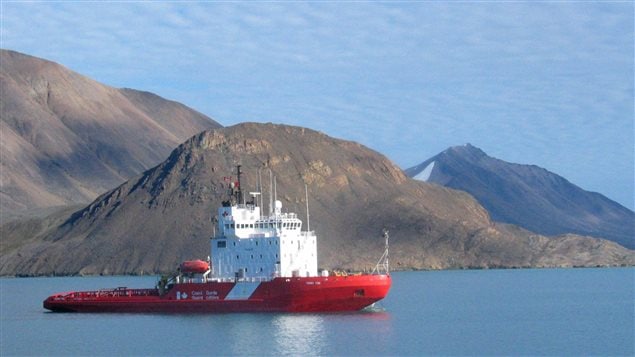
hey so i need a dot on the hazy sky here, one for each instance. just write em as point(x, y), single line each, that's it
point(548, 83)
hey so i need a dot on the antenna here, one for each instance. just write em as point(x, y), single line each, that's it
point(308, 220)
point(240, 192)
point(270, 192)
point(260, 189)
point(275, 189)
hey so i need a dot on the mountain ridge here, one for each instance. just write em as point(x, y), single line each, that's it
point(67, 138)
point(529, 196)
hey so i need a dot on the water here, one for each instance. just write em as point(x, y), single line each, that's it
point(497, 312)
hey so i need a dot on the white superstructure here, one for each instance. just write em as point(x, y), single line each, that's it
point(251, 246)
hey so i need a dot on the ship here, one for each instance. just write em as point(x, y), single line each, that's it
point(257, 263)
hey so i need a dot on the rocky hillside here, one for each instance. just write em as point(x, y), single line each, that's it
point(155, 220)
point(528, 196)
point(67, 138)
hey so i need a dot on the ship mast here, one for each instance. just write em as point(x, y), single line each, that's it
point(239, 193)
point(383, 263)
point(308, 221)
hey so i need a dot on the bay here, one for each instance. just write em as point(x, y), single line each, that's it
point(472, 312)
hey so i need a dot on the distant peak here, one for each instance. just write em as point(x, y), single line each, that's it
point(467, 151)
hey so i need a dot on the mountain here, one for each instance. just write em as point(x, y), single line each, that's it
point(165, 215)
point(67, 138)
point(528, 196)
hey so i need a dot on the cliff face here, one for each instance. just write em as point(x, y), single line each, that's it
point(163, 216)
point(528, 196)
point(66, 138)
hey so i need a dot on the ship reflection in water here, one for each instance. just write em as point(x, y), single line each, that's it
point(299, 335)
point(315, 334)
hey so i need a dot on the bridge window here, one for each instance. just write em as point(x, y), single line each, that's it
point(221, 244)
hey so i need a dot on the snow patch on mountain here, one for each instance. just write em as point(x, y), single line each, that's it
point(424, 175)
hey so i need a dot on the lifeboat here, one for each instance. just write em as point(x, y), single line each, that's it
point(194, 267)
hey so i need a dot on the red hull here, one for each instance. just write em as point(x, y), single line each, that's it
point(316, 294)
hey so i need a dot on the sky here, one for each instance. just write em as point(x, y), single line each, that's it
point(544, 83)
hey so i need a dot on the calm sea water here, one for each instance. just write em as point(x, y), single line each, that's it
point(483, 312)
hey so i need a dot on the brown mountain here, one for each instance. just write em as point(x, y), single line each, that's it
point(163, 216)
point(67, 138)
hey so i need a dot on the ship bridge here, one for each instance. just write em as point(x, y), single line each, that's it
point(250, 246)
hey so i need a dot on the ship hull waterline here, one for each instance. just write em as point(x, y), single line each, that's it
point(310, 294)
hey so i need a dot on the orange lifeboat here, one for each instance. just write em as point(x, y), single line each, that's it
point(194, 266)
